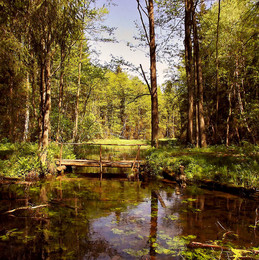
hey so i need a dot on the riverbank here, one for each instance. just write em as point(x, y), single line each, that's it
point(234, 166)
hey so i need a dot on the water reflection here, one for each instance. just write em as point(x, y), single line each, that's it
point(118, 220)
point(153, 224)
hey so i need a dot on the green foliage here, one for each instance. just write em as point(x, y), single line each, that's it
point(21, 159)
point(235, 164)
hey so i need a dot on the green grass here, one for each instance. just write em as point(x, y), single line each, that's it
point(21, 159)
point(238, 165)
point(112, 152)
point(119, 141)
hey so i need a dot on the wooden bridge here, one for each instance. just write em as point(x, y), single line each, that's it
point(101, 163)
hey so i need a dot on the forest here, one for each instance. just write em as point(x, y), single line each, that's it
point(105, 161)
point(53, 91)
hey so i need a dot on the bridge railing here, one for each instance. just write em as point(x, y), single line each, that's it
point(135, 164)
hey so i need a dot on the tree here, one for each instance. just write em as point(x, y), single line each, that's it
point(169, 109)
point(189, 67)
point(150, 38)
point(198, 82)
point(234, 48)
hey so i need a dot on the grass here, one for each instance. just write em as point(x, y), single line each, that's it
point(21, 159)
point(120, 141)
point(110, 152)
point(238, 165)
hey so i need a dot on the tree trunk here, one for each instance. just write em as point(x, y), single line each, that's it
point(45, 105)
point(173, 128)
point(217, 77)
point(197, 132)
point(12, 111)
point(154, 98)
point(240, 102)
point(189, 67)
point(33, 97)
point(27, 112)
point(75, 133)
point(42, 103)
point(61, 92)
point(202, 134)
point(229, 115)
point(46, 110)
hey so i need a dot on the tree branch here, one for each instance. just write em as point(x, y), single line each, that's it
point(138, 96)
point(145, 78)
point(142, 21)
point(26, 208)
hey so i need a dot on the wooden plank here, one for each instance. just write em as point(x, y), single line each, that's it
point(96, 163)
point(106, 144)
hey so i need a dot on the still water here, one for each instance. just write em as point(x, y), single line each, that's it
point(81, 218)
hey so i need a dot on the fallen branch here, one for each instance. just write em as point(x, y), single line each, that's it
point(202, 245)
point(26, 208)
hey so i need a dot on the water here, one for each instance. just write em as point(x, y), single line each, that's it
point(83, 219)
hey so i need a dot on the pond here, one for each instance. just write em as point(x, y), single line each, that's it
point(81, 218)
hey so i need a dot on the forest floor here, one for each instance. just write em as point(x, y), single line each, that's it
point(235, 165)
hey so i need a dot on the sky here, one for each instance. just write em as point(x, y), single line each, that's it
point(123, 17)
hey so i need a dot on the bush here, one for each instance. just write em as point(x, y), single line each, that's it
point(21, 159)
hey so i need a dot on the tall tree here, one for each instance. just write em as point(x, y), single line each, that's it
point(189, 67)
point(75, 136)
point(150, 38)
point(199, 81)
point(217, 75)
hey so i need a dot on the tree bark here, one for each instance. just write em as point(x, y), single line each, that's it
point(189, 67)
point(217, 77)
point(46, 110)
point(197, 128)
point(33, 96)
point(45, 104)
point(27, 111)
point(75, 133)
point(240, 102)
point(61, 91)
point(229, 115)
point(12, 111)
point(202, 134)
point(42, 102)
point(154, 98)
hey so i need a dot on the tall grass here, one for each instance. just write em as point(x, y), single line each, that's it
point(111, 152)
point(238, 165)
point(21, 159)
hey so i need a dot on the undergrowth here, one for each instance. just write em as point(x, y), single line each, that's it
point(238, 165)
point(21, 159)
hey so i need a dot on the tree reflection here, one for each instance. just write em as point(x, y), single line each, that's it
point(153, 224)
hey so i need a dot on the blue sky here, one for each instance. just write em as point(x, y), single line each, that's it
point(123, 16)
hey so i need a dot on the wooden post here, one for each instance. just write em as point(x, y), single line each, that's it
point(101, 166)
point(138, 158)
point(60, 154)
